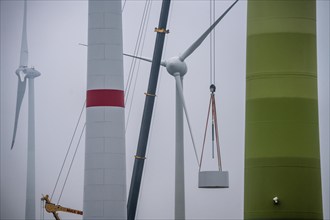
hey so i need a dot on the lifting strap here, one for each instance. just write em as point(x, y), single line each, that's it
point(214, 127)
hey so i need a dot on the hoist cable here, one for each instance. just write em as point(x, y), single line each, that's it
point(136, 49)
point(214, 114)
point(212, 43)
point(214, 118)
point(212, 138)
point(144, 21)
point(74, 155)
point(138, 68)
point(134, 87)
point(214, 46)
point(74, 133)
point(203, 146)
point(132, 66)
point(211, 36)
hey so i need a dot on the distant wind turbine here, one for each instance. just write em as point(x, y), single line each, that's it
point(25, 73)
point(177, 67)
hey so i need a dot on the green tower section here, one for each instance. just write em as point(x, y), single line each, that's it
point(282, 157)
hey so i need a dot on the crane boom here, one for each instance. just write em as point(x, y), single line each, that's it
point(52, 208)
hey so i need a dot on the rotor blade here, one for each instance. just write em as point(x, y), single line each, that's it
point(198, 42)
point(162, 63)
point(24, 45)
point(20, 94)
point(180, 90)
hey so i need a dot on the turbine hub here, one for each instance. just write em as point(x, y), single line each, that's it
point(174, 65)
point(20, 72)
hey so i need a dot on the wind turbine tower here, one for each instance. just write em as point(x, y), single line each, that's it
point(25, 73)
point(105, 163)
point(282, 156)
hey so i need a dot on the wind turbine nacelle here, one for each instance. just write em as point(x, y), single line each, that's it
point(31, 73)
point(25, 72)
point(174, 66)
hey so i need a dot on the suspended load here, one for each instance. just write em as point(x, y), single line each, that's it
point(215, 178)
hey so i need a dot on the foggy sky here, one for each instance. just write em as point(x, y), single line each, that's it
point(55, 29)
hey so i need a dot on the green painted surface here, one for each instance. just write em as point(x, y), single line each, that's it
point(282, 157)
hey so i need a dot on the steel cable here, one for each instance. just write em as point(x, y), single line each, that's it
point(146, 22)
point(137, 48)
point(74, 155)
point(65, 158)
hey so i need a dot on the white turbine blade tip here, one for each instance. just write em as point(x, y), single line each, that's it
point(199, 41)
point(12, 145)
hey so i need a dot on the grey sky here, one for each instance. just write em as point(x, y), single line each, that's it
point(55, 28)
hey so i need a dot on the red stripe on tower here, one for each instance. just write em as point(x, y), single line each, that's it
point(105, 97)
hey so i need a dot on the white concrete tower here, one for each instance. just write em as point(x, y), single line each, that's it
point(105, 166)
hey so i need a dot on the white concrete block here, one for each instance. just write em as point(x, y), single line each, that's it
point(96, 52)
point(94, 176)
point(117, 161)
point(105, 114)
point(213, 179)
point(96, 20)
point(105, 67)
point(116, 115)
point(112, 20)
point(95, 114)
point(112, 176)
point(104, 36)
point(105, 52)
point(93, 208)
point(117, 210)
point(102, 81)
point(105, 192)
point(105, 161)
point(95, 81)
point(115, 145)
point(113, 6)
point(104, 129)
point(95, 145)
point(114, 82)
point(95, 129)
point(114, 51)
point(114, 130)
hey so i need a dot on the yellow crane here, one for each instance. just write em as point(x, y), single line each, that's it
point(52, 208)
